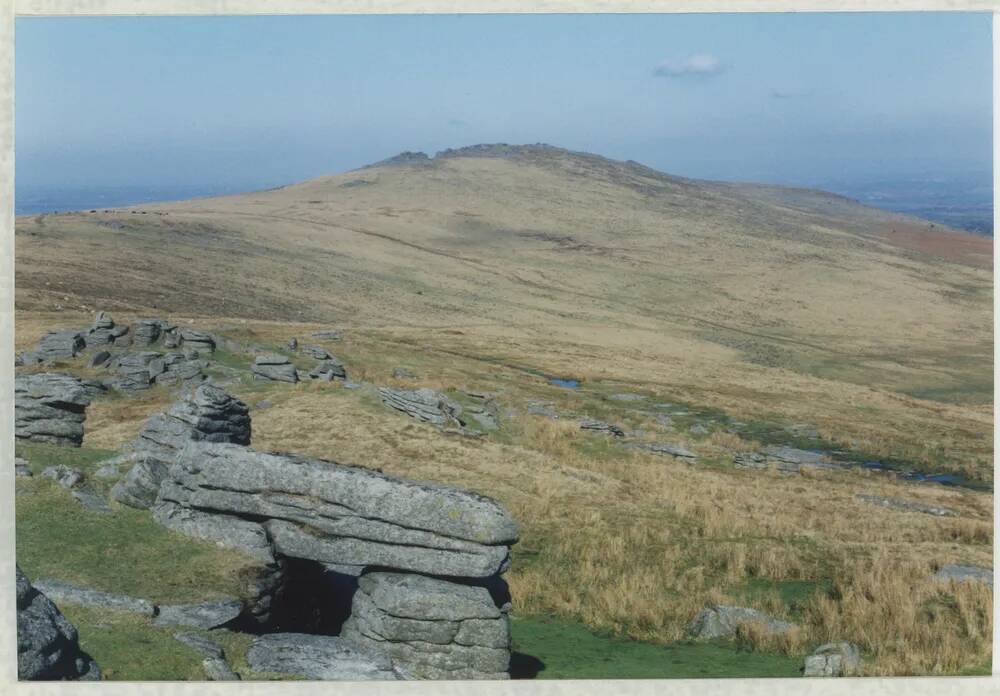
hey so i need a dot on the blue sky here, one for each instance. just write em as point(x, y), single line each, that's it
point(250, 102)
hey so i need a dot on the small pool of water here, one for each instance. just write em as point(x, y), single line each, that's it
point(566, 383)
point(945, 479)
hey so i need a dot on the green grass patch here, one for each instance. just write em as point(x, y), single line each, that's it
point(41, 455)
point(124, 552)
point(555, 648)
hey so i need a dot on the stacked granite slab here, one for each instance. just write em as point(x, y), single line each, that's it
point(429, 558)
point(425, 405)
point(48, 646)
point(104, 331)
point(196, 342)
point(206, 413)
point(275, 368)
point(50, 407)
point(55, 345)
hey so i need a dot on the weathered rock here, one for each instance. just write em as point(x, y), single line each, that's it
point(178, 369)
point(91, 501)
point(719, 621)
point(50, 408)
point(207, 413)
point(199, 341)
point(84, 596)
point(99, 359)
point(424, 404)
point(146, 332)
point(65, 476)
point(48, 646)
point(905, 505)
point(60, 345)
point(336, 514)
point(403, 373)
point(833, 660)
point(217, 669)
point(316, 352)
point(698, 429)
point(433, 628)
point(328, 335)
point(326, 658)
point(293, 345)
point(214, 657)
point(626, 397)
point(328, 370)
point(601, 427)
point(663, 448)
point(750, 460)
point(133, 370)
point(204, 615)
point(171, 339)
point(962, 573)
point(103, 332)
point(21, 467)
point(274, 367)
point(791, 459)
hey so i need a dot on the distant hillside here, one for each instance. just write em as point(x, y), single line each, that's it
point(551, 242)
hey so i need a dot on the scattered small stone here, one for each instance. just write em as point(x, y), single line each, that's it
point(328, 370)
point(316, 352)
point(87, 597)
point(205, 615)
point(833, 660)
point(601, 427)
point(21, 467)
point(719, 621)
point(262, 404)
point(328, 335)
point(274, 367)
point(905, 505)
point(750, 460)
point(91, 501)
point(664, 448)
point(293, 345)
point(65, 476)
point(403, 373)
point(627, 397)
point(698, 429)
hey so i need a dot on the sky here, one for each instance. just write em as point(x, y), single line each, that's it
point(254, 102)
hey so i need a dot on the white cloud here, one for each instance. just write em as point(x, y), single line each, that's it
point(704, 64)
point(790, 93)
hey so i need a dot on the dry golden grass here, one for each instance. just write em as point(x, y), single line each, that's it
point(491, 273)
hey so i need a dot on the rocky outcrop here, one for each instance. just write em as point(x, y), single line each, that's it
point(833, 660)
point(315, 352)
point(48, 646)
point(905, 505)
point(425, 405)
point(342, 515)
point(133, 370)
point(663, 448)
point(274, 367)
point(719, 621)
point(207, 413)
point(596, 426)
point(50, 408)
point(60, 345)
point(433, 628)
point(104, 331)
point(786, 460)
point(328, 370)
point(327, 658)
point(146, 332)
point(197, 342)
